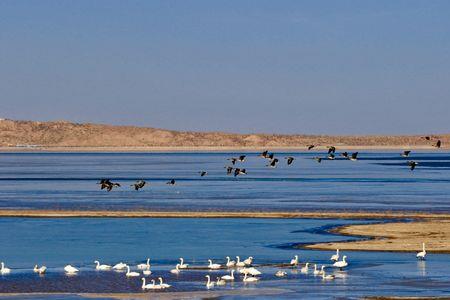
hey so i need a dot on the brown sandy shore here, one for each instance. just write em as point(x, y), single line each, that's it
point(397, 235)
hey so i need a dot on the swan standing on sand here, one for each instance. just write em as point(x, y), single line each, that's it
point(239, 263)
point(209, 283)
point(305, 268)
point(101, 267)
point(229, 277)
point(335, 257)
point(4, 270)
point(249, 279)
point(120, 266)
point(213, 266)
point(182, 264)
point(176, 270)
point(163, 285)
point(144, 266)
point(70, 270)
point(421, 255)
point(341, 263)
point(40, 270)
point(294, 261)
point(230, 263)
point(131, 274)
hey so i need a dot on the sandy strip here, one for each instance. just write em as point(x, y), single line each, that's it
point(398, 237)
point(217, 214)
point(161, 295)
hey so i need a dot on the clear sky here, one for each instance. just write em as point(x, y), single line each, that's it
point(338, 67)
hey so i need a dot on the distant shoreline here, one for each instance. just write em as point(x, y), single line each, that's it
point(211, 149)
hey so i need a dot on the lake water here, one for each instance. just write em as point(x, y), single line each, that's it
point(377, 181)
point(79, 241)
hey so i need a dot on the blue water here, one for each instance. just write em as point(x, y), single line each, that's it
point(56, 242)
point(377, 181)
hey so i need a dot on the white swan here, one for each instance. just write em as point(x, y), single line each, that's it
point(305, 268)
point(239, 263)
point(322, 270)
point(147, 271)
point(209, 283)
point(316, 272)
point(120, 266)
point(248, 261)
point(230, 263)
point(220, 281)
point(101, 267)
point(294, 261)
point(163, 285)
point(213, 266)
point(182, 264)
point(131, 274)
point(40, 270)
point(229, 277)
point(249, 279)
point(335, 257)
point(176, 270)
point(145, 286)
point(280, 273)
point(144, 266)
point(421, 255)
point(341, 263)
point(253, 271)
point(4, 270)
point(327, 277)
point(70, 270)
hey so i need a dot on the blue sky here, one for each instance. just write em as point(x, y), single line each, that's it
point(338, 67)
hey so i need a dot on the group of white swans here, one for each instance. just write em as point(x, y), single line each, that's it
point(242, 267)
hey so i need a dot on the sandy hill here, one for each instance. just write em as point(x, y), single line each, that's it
point(66, 134)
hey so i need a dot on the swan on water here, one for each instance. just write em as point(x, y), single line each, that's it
point(335, 257)
point(163, 285)
point(280, 273)
point(213, 266)
point(229, 277)
point(147, 271)
point(176, 270)
point(327, 277)
point(316, 272)
point(249, 279)
point(120, 266)
point(294, 261)
point(143, 266)
point(305, 268)
point(248, 261)
point(70, 270)
point(341, 263)
point(220, 281)
point(322, 270)
point(421, 255)
point(101, 267)
point(252, 271)
point(4, 270)
point(40, 270)
point(239, 263)
point(230, 263)
point(209, 283)
point(182, 264)
point(131, 274)
point(147, 286)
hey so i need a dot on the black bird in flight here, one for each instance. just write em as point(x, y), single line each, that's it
point(290, 160)
point(354, 156)
point(273, 163)
point(412, 165)
point(171, 182)
point(139, 184)
point(427, 138)
point(229, 170)
point(203, 173)
point(107, 184)
point(438, 144)
point(406, 153)
point(331, 149)
point(264, 154)
point(344, 154)
point(310, 147)
point(331, 156)
point(233, 160)
point(238, 171)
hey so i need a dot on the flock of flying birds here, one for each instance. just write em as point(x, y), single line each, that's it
point(108, 185)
